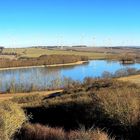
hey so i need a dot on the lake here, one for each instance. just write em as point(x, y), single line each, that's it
point(44, 78)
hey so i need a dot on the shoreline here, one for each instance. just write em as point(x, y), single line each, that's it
point(45, 66)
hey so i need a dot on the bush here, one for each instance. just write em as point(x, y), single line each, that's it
point(39, 132)
point(121, 110)
point(11, 119)
point(122, 105)
point(120, 73)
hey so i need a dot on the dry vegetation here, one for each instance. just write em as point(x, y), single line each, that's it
point(39, 132)
point(42, 60)
point(109, 105)
point(106, 104)
point(11, 119)
point(133, 79)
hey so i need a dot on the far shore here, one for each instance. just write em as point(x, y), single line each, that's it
point(43, 66)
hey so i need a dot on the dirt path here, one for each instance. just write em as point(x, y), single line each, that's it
point(8, 96)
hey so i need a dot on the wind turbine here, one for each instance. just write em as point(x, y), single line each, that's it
point(94, 39)
point(110, 43)
point(82, 39)
point(61, 42)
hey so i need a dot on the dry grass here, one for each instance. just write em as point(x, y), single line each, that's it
point(88, 135)
point(11, 119)
point(39, 132)
point(19, 96)
point(133, 79)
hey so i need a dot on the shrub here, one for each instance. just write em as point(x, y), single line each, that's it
point(127, 57)
point(120, 73)
point(39, 132)
point(121, 104)
point(11, 119)
point(121, 111)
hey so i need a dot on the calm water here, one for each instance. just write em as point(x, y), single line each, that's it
point(43, 78)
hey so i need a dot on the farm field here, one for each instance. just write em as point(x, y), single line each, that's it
point(36, 52)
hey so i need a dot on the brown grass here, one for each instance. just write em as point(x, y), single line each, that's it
point(11, 119)
point(39, 132)
point(133, 79)
point(20, 96)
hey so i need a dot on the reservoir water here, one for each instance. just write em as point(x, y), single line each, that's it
point(44, 78)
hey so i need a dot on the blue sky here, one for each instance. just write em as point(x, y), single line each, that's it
point(69, 22)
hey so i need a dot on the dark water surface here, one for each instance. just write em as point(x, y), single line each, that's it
point(43, 78)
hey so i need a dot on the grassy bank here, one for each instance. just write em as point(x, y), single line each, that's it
point(132, 79)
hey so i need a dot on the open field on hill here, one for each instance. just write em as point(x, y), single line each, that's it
point(36, 52)
point(114, 50)
point(110, 53)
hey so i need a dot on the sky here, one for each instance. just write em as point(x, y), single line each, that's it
point(26, 23)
